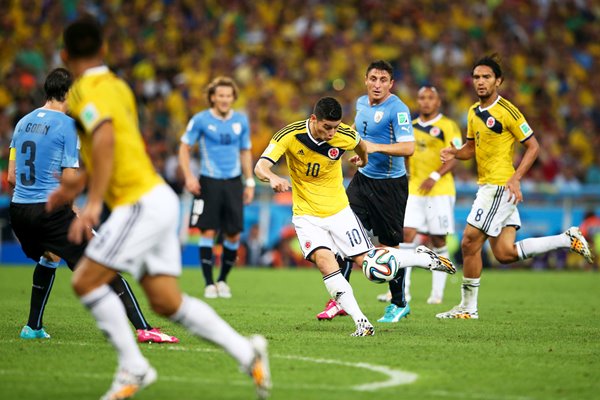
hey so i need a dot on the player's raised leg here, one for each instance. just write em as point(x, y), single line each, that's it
point(90, 282)
point(201, 320)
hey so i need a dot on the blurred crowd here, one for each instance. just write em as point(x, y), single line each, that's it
point(286, 54)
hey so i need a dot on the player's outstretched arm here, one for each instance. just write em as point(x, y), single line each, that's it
point(362, 156)
point(465, 152)
point(264, 173)
point(399, 149)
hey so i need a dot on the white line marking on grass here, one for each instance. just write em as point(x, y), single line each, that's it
point(395, 377)
point(483, 396)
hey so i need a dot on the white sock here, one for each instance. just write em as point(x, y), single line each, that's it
point(407, 257)
point(407, 283)
point(438, 278)
point(109, 312)
point(470, 290)
point(527, 248)
point(340, 290)
point(201, 320)
point(410, 249)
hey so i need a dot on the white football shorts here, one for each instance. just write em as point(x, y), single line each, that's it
point(492, 211)
point(432, 215)
point(141, 238)
point(341, 233)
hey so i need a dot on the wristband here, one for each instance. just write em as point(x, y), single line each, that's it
point(250, 182)
point(435, 176)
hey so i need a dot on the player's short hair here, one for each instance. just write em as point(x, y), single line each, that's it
point(328, 108)
point(428, 87)
point(83, 37)
point(57, 84)
point(492, 61)
point(220, 81)
point(381, 65)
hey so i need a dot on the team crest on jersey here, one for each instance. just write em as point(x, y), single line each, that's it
point(307, 244)
point(212, 127)
point(490, 122)
point(237, 128)
point(333, 153)
point(435, 131)
point(378, 116)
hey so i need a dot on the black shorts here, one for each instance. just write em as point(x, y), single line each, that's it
point(380, 206)
point(39, 231)
point(219, 206)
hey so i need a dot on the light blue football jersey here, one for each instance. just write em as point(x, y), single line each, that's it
point(45, 142)
point(220, 142)
point(385, 123)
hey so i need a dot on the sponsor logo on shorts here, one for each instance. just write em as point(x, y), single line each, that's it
point(307, 244)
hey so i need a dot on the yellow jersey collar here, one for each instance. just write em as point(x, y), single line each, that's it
point(100, 69)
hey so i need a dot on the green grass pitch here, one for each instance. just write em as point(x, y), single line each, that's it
point(538, 337)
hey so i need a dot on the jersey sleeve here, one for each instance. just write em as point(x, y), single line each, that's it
point(350, 137)
point(245, 143)
point(277, 147)
point(91, 112)
point(12, 139)
point(402, 124)
point(470, 117)
point(519, 128)
point(454, 137)
point(70, 157)
point(192, 132)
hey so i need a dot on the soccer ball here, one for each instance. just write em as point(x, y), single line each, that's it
point(380, 265)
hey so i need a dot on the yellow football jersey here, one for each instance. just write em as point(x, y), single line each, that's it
point(100, 96)
point(430, 138)
point(315, 167)
point(495, 130)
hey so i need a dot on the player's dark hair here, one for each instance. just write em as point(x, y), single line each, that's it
point(220, 81)
point(329, 109)
point(83, 37)
point(383, 66)
point(57, 84)
point(492, 61)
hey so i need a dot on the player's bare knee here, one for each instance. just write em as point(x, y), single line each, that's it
point(438, 241)
point(468, 246)
point(164, 305)
point(505, 256)
point(80, 284)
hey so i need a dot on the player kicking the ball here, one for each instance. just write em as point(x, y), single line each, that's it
point(324, 222)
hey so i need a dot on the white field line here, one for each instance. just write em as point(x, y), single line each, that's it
point(395, 377)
